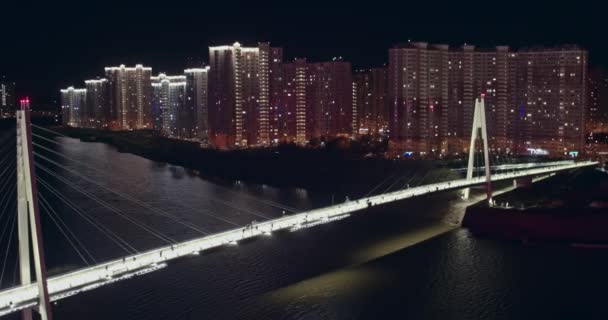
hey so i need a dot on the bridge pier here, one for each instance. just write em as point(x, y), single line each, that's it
point(479, 124)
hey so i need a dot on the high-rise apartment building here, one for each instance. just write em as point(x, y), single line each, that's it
point(294, 116)
point(130, 96)
point(361, 99)
point(72, 103)
point(239, 95)
point(318, 100)
point(597, 113)
point(472, 73)
point(7, 98)
point(261, 107)
point(277, 110)
point(195, 119)
point(370, 98)
point(329, 99)
point(168, 105)
point(494, 72)
point(418, 93)
point(223, 62)
point(551, 99)
point(97, 113)
point(534, 98)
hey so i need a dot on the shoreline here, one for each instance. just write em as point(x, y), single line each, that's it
point(347, 169)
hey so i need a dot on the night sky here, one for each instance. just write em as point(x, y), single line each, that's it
point(50, 45)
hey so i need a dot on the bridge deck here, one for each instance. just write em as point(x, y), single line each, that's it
point(71, 283)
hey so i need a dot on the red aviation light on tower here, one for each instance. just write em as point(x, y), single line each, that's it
point(25, 103)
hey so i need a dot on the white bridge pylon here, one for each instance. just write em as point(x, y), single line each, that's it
point(479, 124)
point(28, 215)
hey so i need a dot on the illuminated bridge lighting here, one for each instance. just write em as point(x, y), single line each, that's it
point(62, 286)
point(318, 222)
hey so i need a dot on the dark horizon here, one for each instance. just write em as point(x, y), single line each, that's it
point(61, 44)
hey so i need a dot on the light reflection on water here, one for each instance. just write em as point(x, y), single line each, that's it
point(311, 297)
point(399, 242)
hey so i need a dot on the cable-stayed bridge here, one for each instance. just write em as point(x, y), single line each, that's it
point(37, 294)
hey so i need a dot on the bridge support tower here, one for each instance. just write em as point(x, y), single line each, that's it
point(28, 216)
point(479, 128)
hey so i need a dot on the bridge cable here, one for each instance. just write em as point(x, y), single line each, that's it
point(407, 183)
point(56, 220)
point(6, 196)
point(11, 169)
point(226, 203)
point(146, 204)
point(8, 206)
point(10, 153)
point(8, 171)
point(257, 213)
point(421, 180)
point(7, 143)
point(380, 184)
point(209, 214)
point(6, 167)
point(103, 203)
point(4, 205)
point(393, 184)
point(415, 177)
point(10, 240)
point(123, 244)
point(263, 201)
point(128, 197)
point(122, 194)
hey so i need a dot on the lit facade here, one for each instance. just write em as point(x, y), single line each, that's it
point(168, 105)
point(418, 93)
point(370, 100)
point(551, 99)
point(597, 113)
point(222, 95)
point(7, 98)
point(329, 99)
point(97, 111)
point(474, 72)
point(239, 95)
point(72, 104)
point(535, 98)
point(130, 97)
point(294, 115)
point(318, 100)
point(277, 109)
point(301, 109)
point(195, 119)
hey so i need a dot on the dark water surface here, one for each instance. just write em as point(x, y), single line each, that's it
point(364, 267)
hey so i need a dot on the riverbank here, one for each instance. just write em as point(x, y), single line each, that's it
point(347, 167)
point(572, 207)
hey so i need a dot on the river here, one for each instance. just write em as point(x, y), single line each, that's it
point(402, 261)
